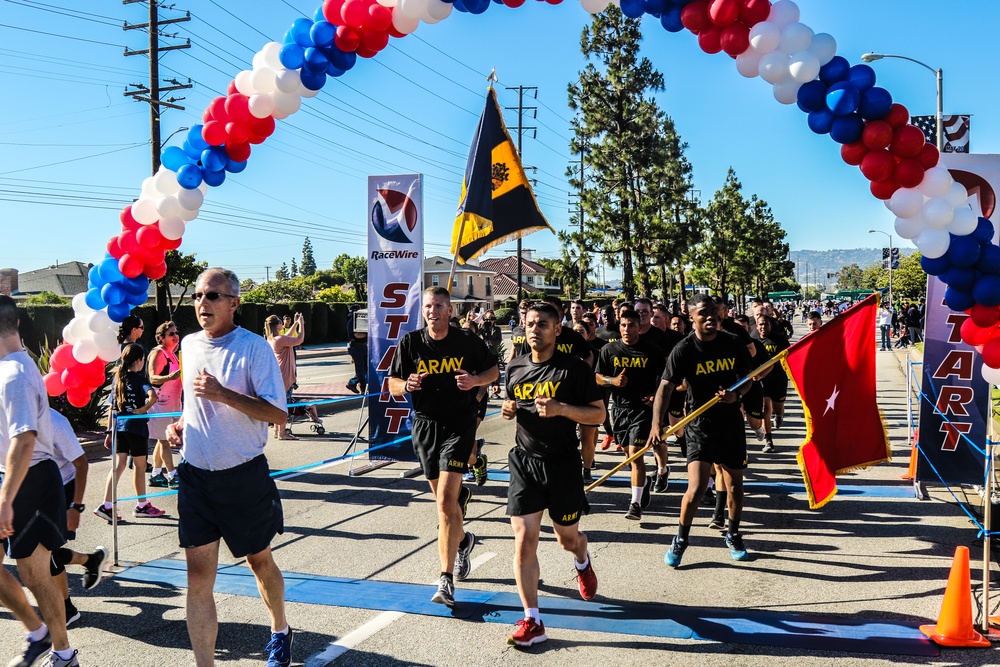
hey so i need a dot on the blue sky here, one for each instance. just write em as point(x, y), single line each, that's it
point(73, 151)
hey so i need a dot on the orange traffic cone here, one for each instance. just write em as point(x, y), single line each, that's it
point(911, 473)
point(954, 626)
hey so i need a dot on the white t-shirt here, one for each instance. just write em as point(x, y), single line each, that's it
point(884, 317)
point(24, 406)
point(216, 436)
point(67, 446)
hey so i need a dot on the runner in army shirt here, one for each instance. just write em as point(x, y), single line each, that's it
point(776, 383)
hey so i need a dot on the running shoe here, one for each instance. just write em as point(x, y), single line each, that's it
point(644, 500)
point(96, 563)
point(768, 447)
point(174, 482)
point(53, 660)
point(279, 649)
point(147, 510)
point(777, 421)
point(588, 476)
point(445, 593)
point(526, 633)
point(72, 613)
point(675, 552)
point(606, 442)
point(760, 434)
point(464, 496)
point(469, 476)
point(619, 448)
point(737, 549)
point(634, 512)
point(587, 579)
point(352, 386)
point(718, 523)
point(158, 481)
point(662, 479)
point(480, 473)
point(463, 562)
point(32, 652)
point(103, 512)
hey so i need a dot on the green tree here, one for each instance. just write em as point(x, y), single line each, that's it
point(183, 270)
point(308, 266)
point(909, 281)
point(355, 271)
point(46, 298)
point(277, 291)
point(851, 277)
point(294, 271)
point(282, 272)
point(727, 219)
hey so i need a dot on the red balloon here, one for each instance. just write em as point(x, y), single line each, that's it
point(709, 39)
point(237, 132)
point(354, 13)
point(735, 39)
point(237, 106)
point(883, 189)
point(53, 384)
point(754, 11)
point(907, 141)
point(376, 41)
point(332, 9)
point(877, 134)
point(694, 16)
point(553, 2)
point(113, 248)
point(214, 132)
point(72, 378)
point(380, 18)
point(156, 271)
point(898, 116)
point(217, 109)
point(909, 172)
point(513, 3)
point(984, 316)
point(131, 267)
point(262, 127)
point(128, 242)
point(128, 222)
point(78, 398)
point(929, 156)
point(991, 353)
point(149, 237)
point(878, 165)
point(94, 372)
point(347, 39)
point(170, 244)
point(238, 152)
point(854, 153)
point(62, 358)
point(395, 33)
point(231, 88)
point(365, 52)
point(723, 12)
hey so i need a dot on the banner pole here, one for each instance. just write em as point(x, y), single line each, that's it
point(988, 517)
point(454, 259)
point(688, 419)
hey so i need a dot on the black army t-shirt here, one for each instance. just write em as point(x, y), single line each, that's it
point(642, 364)
point(774, 343)
point(568, 341)
point(563, 377)
point(439, 398)
point(665, 340)
point(735, 328)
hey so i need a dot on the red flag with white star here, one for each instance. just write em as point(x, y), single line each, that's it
point(833, 370)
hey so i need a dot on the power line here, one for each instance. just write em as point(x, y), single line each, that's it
point(76, 159)
point(52, 34)
point(62, 11)
point(265, 36)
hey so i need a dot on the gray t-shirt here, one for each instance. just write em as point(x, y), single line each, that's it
point(24, 406)
point(216, 436)
point(67, 446)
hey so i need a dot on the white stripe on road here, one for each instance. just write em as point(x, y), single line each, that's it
point(482, 559)
point(350, 640)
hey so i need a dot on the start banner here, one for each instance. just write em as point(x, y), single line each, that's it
point(395, 281)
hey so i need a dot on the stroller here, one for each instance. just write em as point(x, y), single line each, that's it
point(301, 415)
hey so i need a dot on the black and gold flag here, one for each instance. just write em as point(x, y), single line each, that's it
point(497, 202)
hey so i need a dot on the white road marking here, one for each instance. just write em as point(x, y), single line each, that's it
point(482, 559)
point(338, 648)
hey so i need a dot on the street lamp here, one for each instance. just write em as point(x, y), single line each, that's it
point(871, 57)
point(878, 231)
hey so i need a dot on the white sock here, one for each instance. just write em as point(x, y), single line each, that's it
point(637, 493)
point(532, 613)
point(172, 474)
point(661, 470)
point(43, 630)
point(64, 655)
point(582, 566)
point(282, 632)
point(156, 471)
point(107, 506)
point(142, 504)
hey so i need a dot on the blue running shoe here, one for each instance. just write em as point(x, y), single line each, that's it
point(675, 552)
point(32, 652)
point(737, 549)
point(279, 650)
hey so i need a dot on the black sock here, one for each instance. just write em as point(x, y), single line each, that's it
point(465, 542)
point(720, 504)
point(769, 439)
point(448, 575)
point(734, 526)
point(683, 532)
point(62, 556)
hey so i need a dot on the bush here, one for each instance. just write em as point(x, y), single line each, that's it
point(504, 314)
point(46, 298)
point(336, 295)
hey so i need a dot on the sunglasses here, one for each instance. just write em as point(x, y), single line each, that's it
point(211, 296)
point(172, 333)
point(489, 320)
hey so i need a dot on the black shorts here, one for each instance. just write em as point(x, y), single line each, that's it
point(240, 505)
point(753, 401)
point(441, 446)
point(482, 405)
point(555, 484)
point(675, 406)
point(631, 425)
point(69, 489)
point(776, 385)
point(725, 442)
point(39, 512)
point(132, 444)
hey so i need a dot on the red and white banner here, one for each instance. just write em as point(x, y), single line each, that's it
point(395, 281)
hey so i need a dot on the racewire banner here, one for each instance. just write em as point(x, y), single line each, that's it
point(395, 280)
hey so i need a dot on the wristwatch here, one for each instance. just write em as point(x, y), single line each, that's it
point(79, 507)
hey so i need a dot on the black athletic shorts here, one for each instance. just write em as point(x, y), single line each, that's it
point(69, 489)
point(132, 444)
point(631, 425)
point(753, 401)
point(441, 446)
point(39, 512)
point(481, 406)
point(776, 385)
point(553, 483)
point(675, 406)
point(240, 505)
point(727, 444)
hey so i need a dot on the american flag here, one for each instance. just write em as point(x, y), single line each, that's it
point(956, 131)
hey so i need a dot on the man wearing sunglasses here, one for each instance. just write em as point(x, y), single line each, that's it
point(232, 390)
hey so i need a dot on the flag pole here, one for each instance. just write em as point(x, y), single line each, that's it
point(688, 418)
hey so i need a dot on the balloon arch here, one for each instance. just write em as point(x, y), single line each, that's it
point(766, 40)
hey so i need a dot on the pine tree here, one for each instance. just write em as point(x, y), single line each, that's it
point(282, 272)
point(308, 266)
point(294, 270)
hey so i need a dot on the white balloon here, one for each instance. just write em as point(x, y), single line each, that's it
point(272, 55)
point(79, 329)
point(774, 67)
point(110, 353)
point(258, 60)
point(147, 187)
point(279, 114)
point(906, 202)
point(263, 79)
point(765, 37)
point(287, 104)
point(957, 195)
point(190, 199)
point(80, 303)
point(84, 351)
point(932, 243)
point(938, 213)
point(747, 63)
point(908, 228)
point(795, 37)
point(787, 92)
point(288, 80)
point(98, 321)
point(172, 228)
point(963, 222)
point(67, 335)
point(144, 210)
point(937, 181)
point(594, 6)
point(991, 375)
point(107, 338)
point(387, 3)
point(804, 66)
point(824, 46)
point(261, 105)
point(403, 23)
point(168, 206)
point(306, 92)
point(203, 187)
point(429, 17)
point(411, 9)
point(244, 83)
point(165, 181)
point(784, 12)
point(187, 215)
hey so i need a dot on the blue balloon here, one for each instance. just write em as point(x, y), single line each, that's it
point(192, 153)
point(213, 159)
point(632, 8)
point(653, 7)
point(318, 14)
point(214, 178)
point(136, 299)
point(812, 96)
point(842, 98)
point(989, 259)
point(333, 70)
point(984, 231)
point(671, 20)
point(299, 32)
point(847, 129)
point(959, 278)
point(94, 299)
point(94, 277)
point(189, 176)
point(460, 6)
point(862, 77)
point(236, 167)
point(935, 266)
point(118, 311)
point(477, 6)
point(322, 33)
point(345, 61)
point(112, 294)
point(312, 80)
point(195, 139)
point(108, 270)
point(963, 251)
point(292, 56)
point(315, 61)
point(987, 290)
point(835, 70)
point(174, 157)
point(137, 285)
point(957, 300)
point(875, 103)
point(821, 121)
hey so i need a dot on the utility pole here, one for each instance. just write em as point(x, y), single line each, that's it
point(583, 275)
point(520, 131)
point(151, 95)
point(267, 274)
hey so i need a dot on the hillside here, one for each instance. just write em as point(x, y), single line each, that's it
point(820, 262)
